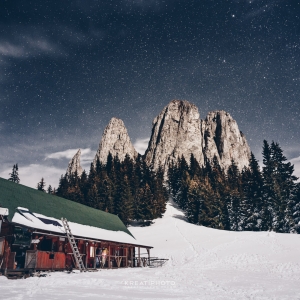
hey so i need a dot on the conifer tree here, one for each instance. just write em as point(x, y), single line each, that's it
point(41, 185)
point(194, 202)
point(160, 194)
point(49, 189)
point(285, 187)
point(236, 211)
point(63, 185)
point(138, 203)
point(268, 187)
point(14, 175)
point(124, 201)
point(194, 166)
point(296, 210)
point(252, 202)
point(109, 164)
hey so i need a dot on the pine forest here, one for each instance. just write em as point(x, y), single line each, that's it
point(253, 199)
point(128, 189)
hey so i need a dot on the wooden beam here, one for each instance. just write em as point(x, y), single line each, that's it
point(6, 253)
point(148, 250)
point(139, 256)
point(131, 252)
point(86, 254)
point(108, 257)
point(95, 258)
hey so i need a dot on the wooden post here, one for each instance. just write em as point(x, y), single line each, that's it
point(108, 257)
point(86, 254)
point(7, 253)
point(139, 256)
point(148, 251)
point(126, 256)
point(95, 258)
point(131, 252)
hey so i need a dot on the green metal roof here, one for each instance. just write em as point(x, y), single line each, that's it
point(13, 195)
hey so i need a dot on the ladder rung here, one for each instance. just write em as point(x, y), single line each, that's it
point(74, 247)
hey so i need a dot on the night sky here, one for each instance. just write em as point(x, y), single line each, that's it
point(67, 67)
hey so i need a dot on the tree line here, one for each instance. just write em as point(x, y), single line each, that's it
point(129, 189)
point(254, 199)
point(251, 199)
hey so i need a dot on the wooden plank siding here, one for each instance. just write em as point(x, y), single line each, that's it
point(44, 260)
point(52, 251)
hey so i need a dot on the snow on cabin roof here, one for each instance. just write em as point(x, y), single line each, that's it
point(13, 195)
point(27, 206)
point(37, 221)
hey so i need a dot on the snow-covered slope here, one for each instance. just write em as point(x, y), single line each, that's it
point(204, 264)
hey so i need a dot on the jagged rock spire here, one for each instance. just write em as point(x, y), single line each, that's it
point(176, 132)
point(74, 165)
point(115, 140)
point(223, 139)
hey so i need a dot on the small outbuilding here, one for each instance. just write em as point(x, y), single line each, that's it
point(32, 235)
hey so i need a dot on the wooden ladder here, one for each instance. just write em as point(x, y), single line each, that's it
point(74, 247)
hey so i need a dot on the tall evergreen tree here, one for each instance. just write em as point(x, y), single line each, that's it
point(124, 202)
point(296, 210)
point(41, 185)
point(63, 185)
point(14, 175)
point(268, 187)
point(252, 202)
point(285, 189)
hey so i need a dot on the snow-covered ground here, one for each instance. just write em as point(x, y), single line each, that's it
point(203, 264)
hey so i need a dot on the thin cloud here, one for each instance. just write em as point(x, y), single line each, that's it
point(8, 49)
point(30, 175)
point(69, 153)
point(42, 45)
point(28, 46)
point(261, 10)
point(152, 5)
point(87, 156)
point(141, 145)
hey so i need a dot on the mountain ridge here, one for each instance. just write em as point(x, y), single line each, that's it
point(179, 131)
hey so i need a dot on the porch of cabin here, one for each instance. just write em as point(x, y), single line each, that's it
point(24, 250)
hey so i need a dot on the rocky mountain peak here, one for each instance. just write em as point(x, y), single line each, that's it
point(223, 139)
point(74, 165)
point(176, 132)
point(115, 140)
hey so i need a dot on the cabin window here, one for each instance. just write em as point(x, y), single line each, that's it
point(92, 251)
point(22, 237)
point(45, 245)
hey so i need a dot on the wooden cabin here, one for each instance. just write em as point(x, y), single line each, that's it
point(33, 238)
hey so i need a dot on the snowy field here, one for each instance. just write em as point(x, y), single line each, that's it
point(203, 264)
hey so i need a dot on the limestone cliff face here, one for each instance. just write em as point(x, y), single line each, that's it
point(223, 139)
point(176, 132)
point(74, 165)
point(115, 140)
